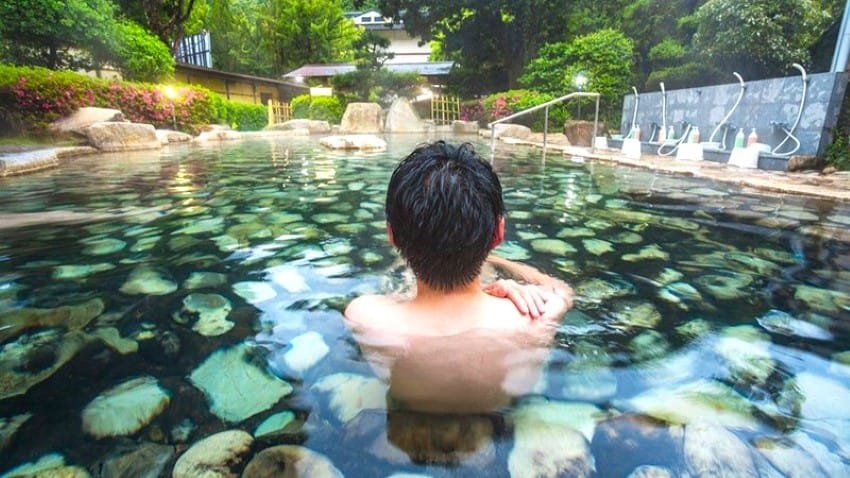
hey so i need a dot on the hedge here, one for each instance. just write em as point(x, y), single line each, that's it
point(328, 108)
point(505, 103)
point(32, 97)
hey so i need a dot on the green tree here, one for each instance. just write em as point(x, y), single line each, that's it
point(164, 18)
point(140, 55)
point(56, 34)
point(239, 40)
point(308, 31)
point(605, 58)
point(371, 51)
point(759, 38)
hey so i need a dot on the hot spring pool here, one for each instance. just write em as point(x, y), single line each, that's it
point(148, 302)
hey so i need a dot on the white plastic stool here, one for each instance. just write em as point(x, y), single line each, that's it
point(690, 152)
point(631, 148)
point(744, 158)
point(600, 142)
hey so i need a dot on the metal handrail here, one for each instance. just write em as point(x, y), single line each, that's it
point(546, 105)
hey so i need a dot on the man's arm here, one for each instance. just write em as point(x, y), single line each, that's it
point(550, 296)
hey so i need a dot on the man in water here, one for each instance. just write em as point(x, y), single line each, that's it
point(455, 346)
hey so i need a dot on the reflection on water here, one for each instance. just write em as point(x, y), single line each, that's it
point(149, 304)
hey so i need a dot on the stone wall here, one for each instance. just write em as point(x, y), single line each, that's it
point(764, 101)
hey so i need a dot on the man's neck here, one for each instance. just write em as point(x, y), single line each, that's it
point(426, 294)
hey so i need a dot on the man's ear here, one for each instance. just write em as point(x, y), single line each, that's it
point(499, 236)
point(390, 235)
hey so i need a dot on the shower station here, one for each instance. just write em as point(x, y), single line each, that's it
point(755, 124)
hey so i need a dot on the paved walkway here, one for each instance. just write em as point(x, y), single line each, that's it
point(834, 186)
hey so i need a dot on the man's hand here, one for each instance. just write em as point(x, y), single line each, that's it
point(533, 300)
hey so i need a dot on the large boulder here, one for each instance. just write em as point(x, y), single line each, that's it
point(28, 161)
point(580, 133)
point(313, 126)
point(114, 136)
point(167, 136)
point(805, 162)
point(361, 118)
point(401, 118)
point(509, 130)
point(363, 142)
point(85, 117)
point(465, 127)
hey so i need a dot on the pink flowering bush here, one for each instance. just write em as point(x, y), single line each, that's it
point(506, 103)
point(32, 98)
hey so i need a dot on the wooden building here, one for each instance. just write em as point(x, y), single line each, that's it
point(239, 87)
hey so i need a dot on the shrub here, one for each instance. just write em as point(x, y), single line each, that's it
point(33, 97)
point(688, 75)
point(327, 108)
point(505, 103)
point(243, 116)
point(140, 55)
point(472, 110)
point(300, 106)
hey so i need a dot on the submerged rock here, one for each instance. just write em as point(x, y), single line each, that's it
point(703, 401)
point(650, 471)
point(31, 359)
point(351, 393)
point(646, 253)
point(254, 292)
point(623, 443)
point(555, 247)
point(208, 312)
point(598, 290)
point(783, 323)
point(633, 314)
point(362, 142)
point(48, 466)
point(822, 300)
point(216, 456)
point(694, 328)
point(9, 426)
point(592, 384)
point(290, 461)
point(103, 247)
point(746, 351)
point(648, 345)
point(274, 424)
point(597, 247)
point(725, 287)
point(149, 281)
point(71, 317)
point(80, 271)
point(236, 387)
point(711, 450)
point(679, 293)
point(581, 417)
point(789, 459)
point(576, 232)
point(204, 280)
point(305, 351)
point(147, 460)
point(125, 408)
point(548, 447)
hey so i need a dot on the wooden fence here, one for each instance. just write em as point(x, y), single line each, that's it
point(279, 112)
point(445, 109)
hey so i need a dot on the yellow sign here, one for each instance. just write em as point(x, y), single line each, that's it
point(321, 91)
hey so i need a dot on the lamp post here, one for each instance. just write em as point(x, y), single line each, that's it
point(580, 80)
point(171, 95)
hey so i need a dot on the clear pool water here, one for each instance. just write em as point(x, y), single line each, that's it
point(711, 325)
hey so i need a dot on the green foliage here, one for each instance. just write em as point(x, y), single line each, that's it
point(759, 38)
point(505, 103)
point(838, 153)
point(605, 58)
point(241, 116)
point(376, 85)
point(667, 53)
point(300, 106)
point(167, 19)
point(33, 97)
point(140, 55)
point(371, 51)
point(328, 108)
point(687, 75)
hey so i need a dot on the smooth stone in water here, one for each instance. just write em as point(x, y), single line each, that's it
point(329, 218)
point(351, 393)
point(592, 385)
point(148, 281)
point(554, 247)
point(650, 252)
point(789, 459)
point(598, 290)
point(125, 408)
point(204, 280)
point(48, 466)
point(215, 456)
point(597, 247)
point(679, 293)
point(650, 471)
point(147, 460)
point(145, 244)
point(290, 461)
point(544, 448)
point(209, 311)
point(822, 300)
point(576, 232)
point(102, 247)
point(648, 345)
point(202, 226)
point(694, 328)
point(623, 443)
point(632, 314)
point(627, 238)
point(725, 287)
point(80, 271)
point(254, 292)
point(711, 450)
point(72, 317)
point(305, 351)
point(290, 278)
point(783, 323)
point(235, 386)
point(274, 424)
point(9, 426)
point(512, 251)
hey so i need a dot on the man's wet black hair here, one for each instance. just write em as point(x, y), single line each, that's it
point(443, 205)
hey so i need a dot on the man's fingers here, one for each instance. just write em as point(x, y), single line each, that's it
point(516, 296)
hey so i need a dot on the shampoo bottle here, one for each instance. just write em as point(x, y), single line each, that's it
point(695, 135)
point(753, 138)
point(739, 138)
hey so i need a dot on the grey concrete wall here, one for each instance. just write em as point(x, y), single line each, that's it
point(764, 101)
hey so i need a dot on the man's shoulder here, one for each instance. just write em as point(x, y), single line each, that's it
point(368, 308)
